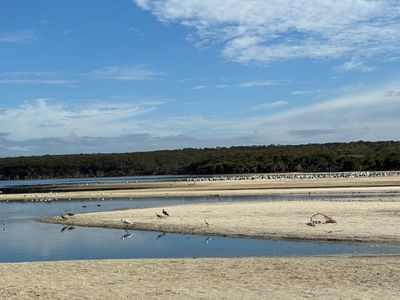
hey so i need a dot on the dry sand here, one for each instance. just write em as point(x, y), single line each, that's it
point(341, 277)
point(387, 184)
point(364, 221)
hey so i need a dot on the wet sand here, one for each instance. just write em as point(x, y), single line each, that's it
point(357, 221)
point(340, 277)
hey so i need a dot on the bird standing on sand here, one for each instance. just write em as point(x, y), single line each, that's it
point(165, 212)
point(126, 221)
point(206, 222)
point(159, 216)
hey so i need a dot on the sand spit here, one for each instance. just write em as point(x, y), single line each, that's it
point(388, 184)
point(357, 221)
point(340, 277)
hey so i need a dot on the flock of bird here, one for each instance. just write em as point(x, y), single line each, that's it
point(127, 221)
point(127, 235)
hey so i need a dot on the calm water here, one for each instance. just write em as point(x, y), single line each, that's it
point(24, 239)
point(66, 181)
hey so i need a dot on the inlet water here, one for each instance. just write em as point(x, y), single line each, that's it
point(25, 239)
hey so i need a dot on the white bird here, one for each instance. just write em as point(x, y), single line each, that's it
point(206, 222)
point(126, 221)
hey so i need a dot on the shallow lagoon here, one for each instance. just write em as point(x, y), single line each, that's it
point(25, 239)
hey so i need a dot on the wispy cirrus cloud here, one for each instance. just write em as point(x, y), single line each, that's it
point(268, 31)
point(18, 37)
point(126, 73)
point(34, 77)
point(262, 82)
point(200, 87)
point(356, 65)
point(268, 105)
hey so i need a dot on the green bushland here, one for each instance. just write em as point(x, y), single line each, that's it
point(331, 157)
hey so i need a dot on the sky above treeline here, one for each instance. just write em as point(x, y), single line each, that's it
point(120, 75)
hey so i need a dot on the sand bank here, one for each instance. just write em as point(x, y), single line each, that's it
point(223, 188)
point(357, 221)
point(340, 277)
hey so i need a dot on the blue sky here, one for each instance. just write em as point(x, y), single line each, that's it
point(120, 75)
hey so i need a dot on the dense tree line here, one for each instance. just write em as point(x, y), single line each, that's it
point(332, 157)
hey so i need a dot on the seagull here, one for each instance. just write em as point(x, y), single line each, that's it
point(126, 221)
point(159, 216)
point(165, 212)
point(206, 222)
point(209, 238)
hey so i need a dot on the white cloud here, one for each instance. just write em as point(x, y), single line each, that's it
point(37, 81)
point(262, 82)
point(43, 118)
point(200, 87)
point(268, 105)
point(33, 77)
point(371, 114)
point(44, 126)
point(126, 73)
point(356, 65)
point(307, 92)
point(18, 37)
point(268, 31)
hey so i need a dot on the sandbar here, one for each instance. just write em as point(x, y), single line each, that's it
point(356, 221)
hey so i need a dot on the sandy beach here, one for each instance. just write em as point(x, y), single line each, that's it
point(340, 277)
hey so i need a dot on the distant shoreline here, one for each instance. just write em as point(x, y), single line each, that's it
point(382, 184)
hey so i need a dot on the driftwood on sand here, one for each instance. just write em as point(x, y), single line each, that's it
point(314, 220)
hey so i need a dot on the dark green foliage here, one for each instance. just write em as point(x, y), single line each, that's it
point(333, 157)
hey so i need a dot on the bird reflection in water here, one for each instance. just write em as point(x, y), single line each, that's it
point(69, 228)
point(160, 235)
point(127, 235)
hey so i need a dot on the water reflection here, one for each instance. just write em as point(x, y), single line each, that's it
point(160, 235)
point(127, 235)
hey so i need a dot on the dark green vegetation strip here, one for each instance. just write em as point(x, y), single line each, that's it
point(332, 157)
